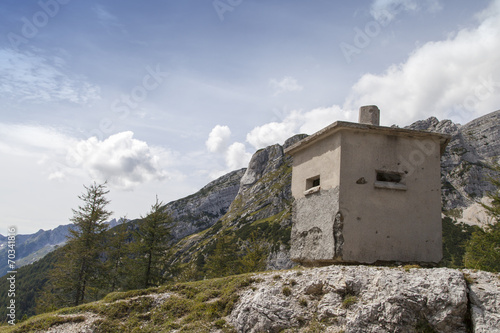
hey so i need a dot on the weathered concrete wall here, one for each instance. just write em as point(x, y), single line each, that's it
point(316, 231)
point(323, 160)
point(386, 224)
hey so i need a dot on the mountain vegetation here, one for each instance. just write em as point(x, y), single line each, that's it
point(237, 224)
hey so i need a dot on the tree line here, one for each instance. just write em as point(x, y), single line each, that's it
point(141, 254)
point(96, 261)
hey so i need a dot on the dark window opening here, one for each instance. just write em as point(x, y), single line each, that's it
point(312, 182)
point(391, 177)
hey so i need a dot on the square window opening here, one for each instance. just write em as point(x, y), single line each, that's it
point(313, 182)
point(392, 177)
point(390, 180)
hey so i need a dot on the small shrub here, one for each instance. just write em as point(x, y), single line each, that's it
point(303, 302)
point(408, 267)
point(286, 291)
point(315, 327)
point(276, 277)
point(469, 279)
point(315, 290)
point(293, 282)
point(349, 301)
point(220, 323)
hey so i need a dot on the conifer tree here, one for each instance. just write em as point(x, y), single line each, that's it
point(78, 272)
point(256, 254)
point(151, 245)
point(223, 261)
point(116, 254)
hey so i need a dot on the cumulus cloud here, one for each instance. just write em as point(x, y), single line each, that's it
point(456, 78)
point(287, 84)
point(295, 122)
point(123, 161)
point(387, 10)
point(237, 156)
point(271, 133)
point(218, 139)
point(27, 76)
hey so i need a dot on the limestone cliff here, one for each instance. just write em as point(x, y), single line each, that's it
point(203, 209)
point(263, 202)
point(464, 165)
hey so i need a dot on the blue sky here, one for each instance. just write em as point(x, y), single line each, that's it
point(161, 97)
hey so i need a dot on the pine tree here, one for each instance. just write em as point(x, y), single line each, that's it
point(256, 254)
point(151, 245)
point(116, 253)
point(76, 276)
point(223, 261)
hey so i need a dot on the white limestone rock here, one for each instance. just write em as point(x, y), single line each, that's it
point(484, 295)
point(360, 299)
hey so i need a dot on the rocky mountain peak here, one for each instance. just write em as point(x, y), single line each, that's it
point(262, 162)
point(465, 163)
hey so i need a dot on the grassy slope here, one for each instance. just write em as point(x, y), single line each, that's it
point(195, 306)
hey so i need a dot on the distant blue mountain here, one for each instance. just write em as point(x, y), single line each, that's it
point(33, 247)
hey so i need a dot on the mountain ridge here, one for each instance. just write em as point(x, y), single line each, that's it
point(240, 197)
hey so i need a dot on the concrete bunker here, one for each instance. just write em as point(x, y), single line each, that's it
point(366, 193)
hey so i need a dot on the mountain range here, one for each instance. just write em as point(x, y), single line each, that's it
point(259, 196)
point(33, 247)
point(255, 205)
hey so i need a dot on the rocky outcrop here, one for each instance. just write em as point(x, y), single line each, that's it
point(350, 299)
point(370, 299)
point(464, 164)
point(262, 201)
point(484, 300)
point(201, 210)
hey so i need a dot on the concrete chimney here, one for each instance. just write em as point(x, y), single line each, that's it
point(369, 114)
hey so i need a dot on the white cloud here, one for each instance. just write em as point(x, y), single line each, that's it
point(319, 118)
point(387, 10)
point(296, 122)
point(287, 84)
point(272, 133)
point(31, 140)
point(458, 77)
point(26, 76)
point(237, 157)
point(218, 139)
point(123, 161)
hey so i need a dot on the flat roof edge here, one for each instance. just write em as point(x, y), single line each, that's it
point(344, 125)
